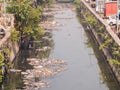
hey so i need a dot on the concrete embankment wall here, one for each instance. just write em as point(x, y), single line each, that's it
point(94, 26)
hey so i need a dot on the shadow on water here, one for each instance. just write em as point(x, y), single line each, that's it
point(107, 76)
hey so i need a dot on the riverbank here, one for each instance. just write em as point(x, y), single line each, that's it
point(105, 37)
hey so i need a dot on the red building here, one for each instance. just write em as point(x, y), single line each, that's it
point(110, 8)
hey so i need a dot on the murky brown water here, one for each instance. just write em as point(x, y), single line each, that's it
point(86, 69)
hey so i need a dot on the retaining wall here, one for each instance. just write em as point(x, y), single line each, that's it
point(82, 12)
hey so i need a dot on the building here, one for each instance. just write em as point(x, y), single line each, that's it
point(100, 6)
point(110, 8)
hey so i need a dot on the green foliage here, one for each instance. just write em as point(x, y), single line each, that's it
point(1, 77)
point(14, 35)
point(116, 53)
point(38, 32)
point(7, 51)
point(45, 3)
point(114, 62)
point(102, 46)
point(76, 1)
point(1, 64)
point(9, 65)
point(91, 21)
point(77, 4)
point(27, 17)
point(1, 58)
point(106, 43)
point(101, 29)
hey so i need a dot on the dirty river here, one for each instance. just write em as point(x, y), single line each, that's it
point(85, 64)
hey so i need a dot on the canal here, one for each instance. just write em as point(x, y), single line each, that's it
point(86, 66)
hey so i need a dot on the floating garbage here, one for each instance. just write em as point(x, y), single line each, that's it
point(41, 84)
point(42, 68)
point(38, 67)
point(15, 70)
point(35, 63)
point(45, 48)
point(24, 73)
point(32, 59)
point(47, 38)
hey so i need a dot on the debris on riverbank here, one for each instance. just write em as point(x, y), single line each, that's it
point(42, 68)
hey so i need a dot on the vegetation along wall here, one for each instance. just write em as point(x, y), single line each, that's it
point(106, 43)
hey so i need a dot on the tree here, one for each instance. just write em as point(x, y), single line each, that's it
point(27, 17)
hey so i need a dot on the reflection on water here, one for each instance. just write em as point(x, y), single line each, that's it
point(86, 67)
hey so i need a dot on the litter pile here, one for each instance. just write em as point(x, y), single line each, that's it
point(42, 68)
